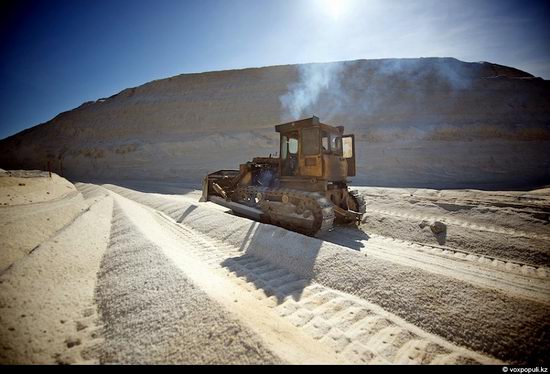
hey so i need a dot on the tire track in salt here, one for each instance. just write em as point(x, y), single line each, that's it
point(458, 222)
point(483, 319)
point(360, 331)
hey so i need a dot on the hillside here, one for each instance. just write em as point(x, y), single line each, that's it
point(430, 122)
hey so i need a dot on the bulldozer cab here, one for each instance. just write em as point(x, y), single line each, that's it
point(311, 149)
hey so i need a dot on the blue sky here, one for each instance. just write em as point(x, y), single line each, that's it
point(58, 54)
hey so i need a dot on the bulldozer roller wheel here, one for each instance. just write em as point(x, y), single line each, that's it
point(358, 201)
point(282, 207)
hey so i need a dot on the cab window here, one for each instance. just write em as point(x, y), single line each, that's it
point(292, 146)
point(289, 145)
point(348, 147)
point(324, 142)
point(336, 144)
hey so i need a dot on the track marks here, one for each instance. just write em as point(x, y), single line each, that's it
point(458, 222)
point(355, 329)
point(397, 265)
point(503, 265)
point(522, 280)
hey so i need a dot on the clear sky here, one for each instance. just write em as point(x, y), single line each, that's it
point(58, 54)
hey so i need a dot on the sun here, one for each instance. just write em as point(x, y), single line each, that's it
point(334, 8)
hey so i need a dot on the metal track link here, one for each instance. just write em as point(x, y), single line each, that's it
point(320, 206)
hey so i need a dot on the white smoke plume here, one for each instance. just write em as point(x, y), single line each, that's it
point(314, 80)
point(358, 88)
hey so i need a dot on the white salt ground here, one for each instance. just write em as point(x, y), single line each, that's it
point(481, 317)
point(165, 279)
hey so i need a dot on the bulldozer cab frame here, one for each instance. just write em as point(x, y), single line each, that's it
point(313, 150)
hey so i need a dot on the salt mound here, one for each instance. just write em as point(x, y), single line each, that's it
point(431, 122)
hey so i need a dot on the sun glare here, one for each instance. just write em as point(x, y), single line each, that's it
point(334, 8)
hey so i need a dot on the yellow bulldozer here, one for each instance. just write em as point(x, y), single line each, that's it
point(305, 189)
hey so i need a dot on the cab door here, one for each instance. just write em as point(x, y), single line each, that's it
point(289, 153)
point(310, 155)
point(348, 148)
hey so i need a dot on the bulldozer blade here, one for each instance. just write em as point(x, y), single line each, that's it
point(241, 209)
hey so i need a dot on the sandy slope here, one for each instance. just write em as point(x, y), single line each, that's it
point(439, 298)
point(145, 277)
point(33, 208)
point(263, 272)
point(97, 291)
point(153, 314)
point(516, 222)
point(47, 308)
point(432, 122)
point(19, 187)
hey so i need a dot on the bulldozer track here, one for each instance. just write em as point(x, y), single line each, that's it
point(321, 207)
point(359, 331)
point(359, 201)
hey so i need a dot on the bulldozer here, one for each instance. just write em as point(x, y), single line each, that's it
point(305, 189)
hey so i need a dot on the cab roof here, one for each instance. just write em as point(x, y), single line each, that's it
point(306, 122)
